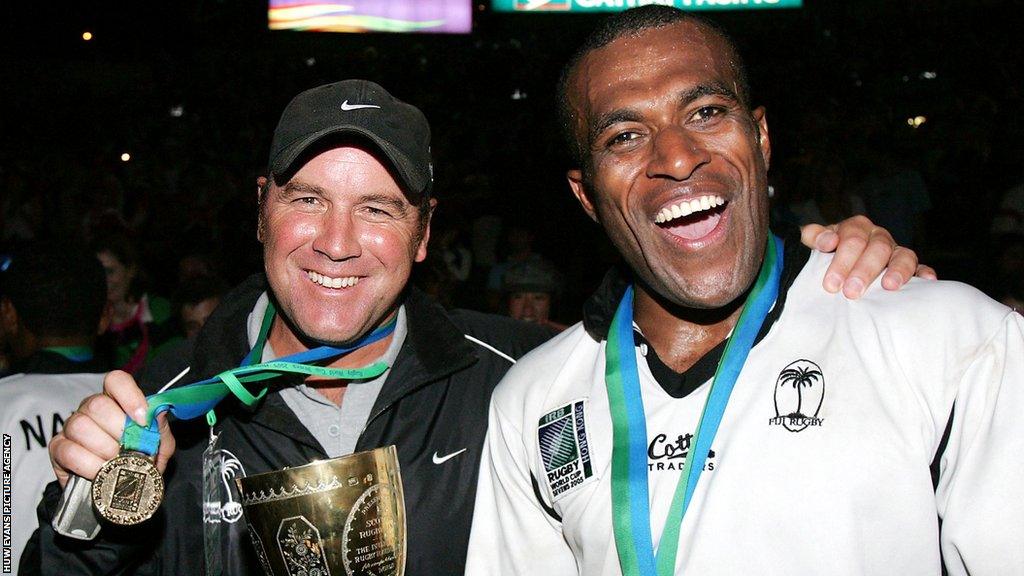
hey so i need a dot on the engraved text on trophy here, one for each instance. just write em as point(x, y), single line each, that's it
point(370, 540)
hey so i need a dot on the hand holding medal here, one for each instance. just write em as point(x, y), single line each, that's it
point(128, 489)
point(90, 447)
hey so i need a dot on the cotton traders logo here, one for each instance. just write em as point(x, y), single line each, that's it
point(799, 393)
point(665, 454)
point(562, 439)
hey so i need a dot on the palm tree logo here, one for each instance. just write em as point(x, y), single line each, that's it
point(803, 382)
point(231, 468)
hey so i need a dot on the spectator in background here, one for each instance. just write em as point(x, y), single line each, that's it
point(53, 304)
point(139, 321)
point(445, 274)
point(104, 207)
point(532, 287)
point(458, 260)
point(435, 280)
point(824, 193)
point(197, 298)
point(196, 265)
point(1009, 217)
point(517, 247)
point(194, 300)
point(894, 192)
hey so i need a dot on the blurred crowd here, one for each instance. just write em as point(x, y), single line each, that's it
point(144, 146)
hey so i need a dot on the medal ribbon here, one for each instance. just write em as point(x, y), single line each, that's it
point(631, 517)
point(196, 399)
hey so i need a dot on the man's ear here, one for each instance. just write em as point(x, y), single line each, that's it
point(262, 185)
point(579, 189)
point(421, 249)
point(761, 125)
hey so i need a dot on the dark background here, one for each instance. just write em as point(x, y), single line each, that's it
point(827, 74)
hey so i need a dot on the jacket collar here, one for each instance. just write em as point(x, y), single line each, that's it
point(600, 308)
point(434, 348)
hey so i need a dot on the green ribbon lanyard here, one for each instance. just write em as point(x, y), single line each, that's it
point(631, 519)
point(194, 400)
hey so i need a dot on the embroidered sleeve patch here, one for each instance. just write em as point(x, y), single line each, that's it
point(562, 439)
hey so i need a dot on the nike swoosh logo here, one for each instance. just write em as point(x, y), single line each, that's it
point(346, 106)
point(447, 457)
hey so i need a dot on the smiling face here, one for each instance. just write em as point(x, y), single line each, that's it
point(339, 240)
point(530, 306)
point(676, 163)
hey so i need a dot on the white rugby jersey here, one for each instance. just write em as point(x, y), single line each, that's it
point(825, 475)
point(32, 412)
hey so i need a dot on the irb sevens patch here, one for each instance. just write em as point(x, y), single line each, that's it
point(562, 438)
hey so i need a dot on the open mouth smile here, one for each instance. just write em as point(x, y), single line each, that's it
point(692, 219)
point(328, 282)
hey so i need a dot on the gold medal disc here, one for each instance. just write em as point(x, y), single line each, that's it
point(128, 489)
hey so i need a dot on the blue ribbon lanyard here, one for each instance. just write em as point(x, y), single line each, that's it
point(200, 398)
point(630, 490)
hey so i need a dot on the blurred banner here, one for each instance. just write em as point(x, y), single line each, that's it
point(432, 16)
point(619, 5)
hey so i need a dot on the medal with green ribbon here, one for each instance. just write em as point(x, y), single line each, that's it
point(128, 489)
point(631, 517)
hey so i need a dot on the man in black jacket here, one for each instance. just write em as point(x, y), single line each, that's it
point(343, 216)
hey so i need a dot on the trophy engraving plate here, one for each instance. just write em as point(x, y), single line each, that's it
point(302, 548)
point(344, 516)
point(368, 532)
point(128, 489)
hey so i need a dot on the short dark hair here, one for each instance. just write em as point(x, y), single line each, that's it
point(634, 22)
point(200, 288)
point(56, 290)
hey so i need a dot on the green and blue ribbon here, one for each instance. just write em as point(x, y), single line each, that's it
point(202, 397)
point(631, 517)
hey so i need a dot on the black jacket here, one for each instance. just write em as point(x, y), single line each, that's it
point(434, 401)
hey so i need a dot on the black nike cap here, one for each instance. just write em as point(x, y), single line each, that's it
point(362, 109)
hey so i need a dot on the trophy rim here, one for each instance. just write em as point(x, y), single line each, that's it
point(389, 451)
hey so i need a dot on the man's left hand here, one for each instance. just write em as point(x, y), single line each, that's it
point(862, 252)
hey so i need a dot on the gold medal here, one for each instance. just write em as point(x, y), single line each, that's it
point(128, 489)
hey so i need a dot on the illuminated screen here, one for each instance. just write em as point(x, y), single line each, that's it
point(438, 16)
point(548, 6)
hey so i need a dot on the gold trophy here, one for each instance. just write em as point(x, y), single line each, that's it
point(331, 517)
